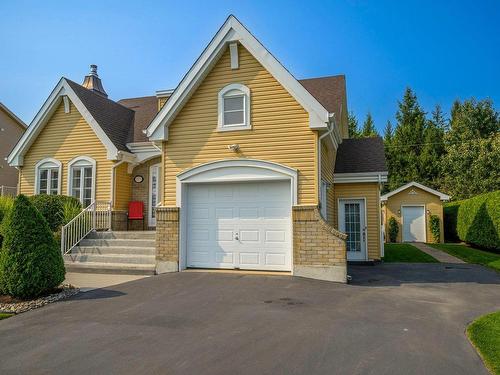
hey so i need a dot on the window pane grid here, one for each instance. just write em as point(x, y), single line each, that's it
point(353, 226)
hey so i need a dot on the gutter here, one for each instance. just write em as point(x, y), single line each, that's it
point(328, 133)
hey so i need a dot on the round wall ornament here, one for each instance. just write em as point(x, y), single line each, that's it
point(138, 179)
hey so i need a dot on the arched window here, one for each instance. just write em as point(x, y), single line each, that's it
point(234, 107)
point(48, 177)
point(81, 179)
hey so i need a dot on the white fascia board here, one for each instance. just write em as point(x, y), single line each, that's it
point(442, 196)
point(234, 31)
point(15, 158)
point(345, 178)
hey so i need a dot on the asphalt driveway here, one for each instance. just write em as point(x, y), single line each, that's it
point(392, 319)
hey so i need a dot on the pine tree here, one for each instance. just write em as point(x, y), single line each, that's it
point(388, 132)
point(406, 144)
point(353, 125)
point(432, 149)
point(369, 127)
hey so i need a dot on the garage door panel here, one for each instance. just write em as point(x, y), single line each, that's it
point(239, 225)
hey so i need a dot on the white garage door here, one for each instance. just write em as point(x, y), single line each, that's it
point(413, 224)
point(239, 225)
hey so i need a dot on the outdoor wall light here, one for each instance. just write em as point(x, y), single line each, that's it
point(235, 147)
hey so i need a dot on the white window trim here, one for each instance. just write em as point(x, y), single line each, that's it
point(39, 165)
point(70, 175)
point(245, 92)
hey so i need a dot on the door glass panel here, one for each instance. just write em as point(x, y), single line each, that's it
point(352, 226)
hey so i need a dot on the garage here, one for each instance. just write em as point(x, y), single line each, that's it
point(239, 225)
point(413, 223)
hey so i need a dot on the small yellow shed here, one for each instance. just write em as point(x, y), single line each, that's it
point(412, 205)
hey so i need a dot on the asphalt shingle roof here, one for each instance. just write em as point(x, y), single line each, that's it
point(358, 155)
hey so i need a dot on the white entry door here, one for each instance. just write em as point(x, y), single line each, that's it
point(154, 175)
point(413, 223)
point(352, 221)
point(239, 225)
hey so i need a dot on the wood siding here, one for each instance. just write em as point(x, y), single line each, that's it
point(123, 187)
point(280, 128)
point(64, 137)
point(369, 191)
point(161, 102)
point(10, 132)
point(419, 197)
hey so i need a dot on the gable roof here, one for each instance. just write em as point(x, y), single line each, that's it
point(233, 31)
point(12, 115)
point(361, 155)
point(145, 109)
point(442, 196)
point(329, 91)
point(114, 119)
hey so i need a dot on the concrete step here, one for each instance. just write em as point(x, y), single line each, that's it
point(119, 242)
point(111, 268)
point(111, 258)
point(113, 250)
point(131, 235)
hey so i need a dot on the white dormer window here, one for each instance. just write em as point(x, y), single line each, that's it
point(234, 107)
point(48, 177)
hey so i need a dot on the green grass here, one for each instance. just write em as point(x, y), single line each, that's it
point(405, 253)
point(484, 333)
point(471, 255)
point(4, 316)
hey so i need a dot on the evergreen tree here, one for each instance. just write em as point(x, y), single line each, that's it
point(432, 149)
point(353, 125)
point(388, 132)
point(369, 127)
point(406, 144)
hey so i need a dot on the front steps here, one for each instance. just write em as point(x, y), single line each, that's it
point(131, 253)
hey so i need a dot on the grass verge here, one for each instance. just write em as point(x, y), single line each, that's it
point(484, 333)
point(470, 255)
point(5, 316)
point(405, 253)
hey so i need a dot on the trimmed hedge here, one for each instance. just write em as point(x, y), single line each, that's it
point(477, 220)
point(30, 260)
point(52, 208)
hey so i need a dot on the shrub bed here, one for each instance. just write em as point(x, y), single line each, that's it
point(475, 221)
point(54, 208)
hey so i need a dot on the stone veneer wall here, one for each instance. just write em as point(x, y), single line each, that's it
point(167, 239)
point(319, 250)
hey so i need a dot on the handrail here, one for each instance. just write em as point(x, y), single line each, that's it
point(95, 216)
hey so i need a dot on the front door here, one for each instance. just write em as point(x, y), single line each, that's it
point(154, 175)
point(352, 221)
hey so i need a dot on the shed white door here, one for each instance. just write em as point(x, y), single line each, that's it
point(413, 223)
point(239, 225)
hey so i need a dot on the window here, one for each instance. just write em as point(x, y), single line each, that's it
point(323, 199)
point(47, 174)
point(81, 180)
point(234, 108)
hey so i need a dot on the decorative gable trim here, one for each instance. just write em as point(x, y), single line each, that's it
point(233, 31)
point(442, 196)
point(62, 89)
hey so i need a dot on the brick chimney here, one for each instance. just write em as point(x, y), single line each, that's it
point(93, 82)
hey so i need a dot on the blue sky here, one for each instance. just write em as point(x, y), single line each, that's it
point(444, 50)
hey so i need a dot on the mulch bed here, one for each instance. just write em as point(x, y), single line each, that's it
point(10, 304)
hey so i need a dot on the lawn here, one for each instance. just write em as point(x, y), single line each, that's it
point(405, 253)
point(485, 335)
point(471, 255)
point(4, 316)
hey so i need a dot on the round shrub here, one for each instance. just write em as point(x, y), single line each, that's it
point(52, 208)
point(393, 229)
point(30, 259)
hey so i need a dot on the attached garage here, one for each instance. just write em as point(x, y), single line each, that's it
point(237, 214)
point(412, 205)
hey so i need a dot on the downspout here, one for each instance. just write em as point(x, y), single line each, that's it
point(328, 133)
point(113, 182)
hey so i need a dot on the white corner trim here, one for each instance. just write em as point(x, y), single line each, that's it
point(442, 196)
point(15, 158)
point(66, 104)
point(245, 92)
point(89, 161)
point(233, 50)
point(57, 164)
point(231, 170)
point(232, 30)
point(345, 178)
